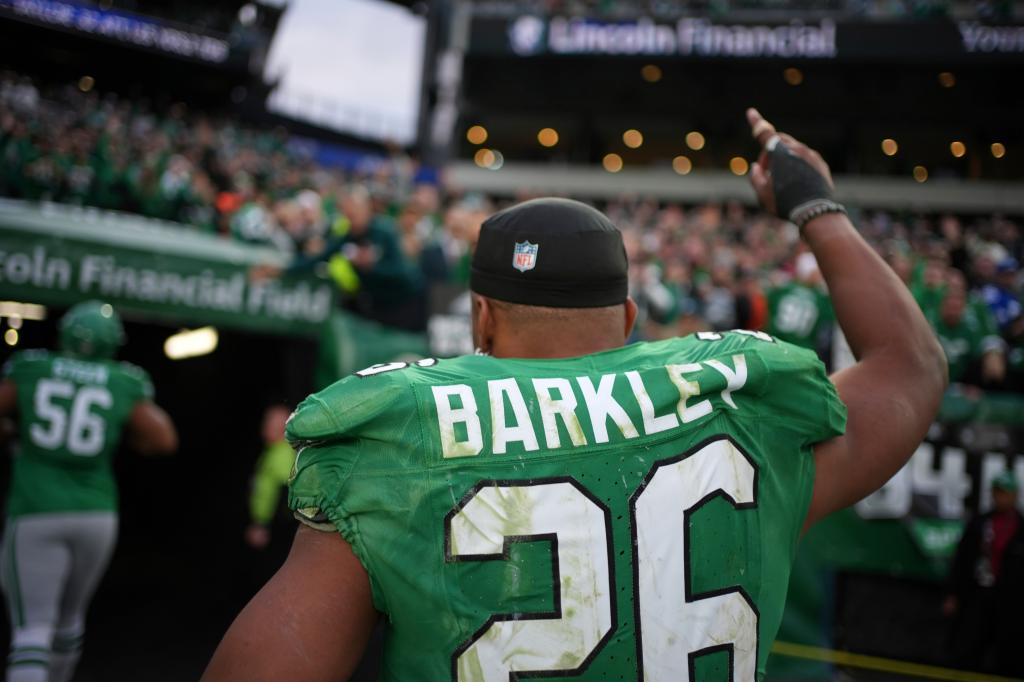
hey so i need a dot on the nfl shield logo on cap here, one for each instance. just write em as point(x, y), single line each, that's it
point(524, 257)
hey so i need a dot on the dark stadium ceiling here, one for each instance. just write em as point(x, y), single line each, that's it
point(845, 110)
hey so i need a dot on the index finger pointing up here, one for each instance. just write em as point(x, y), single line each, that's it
point(761, 129)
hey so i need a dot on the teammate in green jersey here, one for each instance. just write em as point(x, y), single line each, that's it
point(568, 507)
point(73, 407)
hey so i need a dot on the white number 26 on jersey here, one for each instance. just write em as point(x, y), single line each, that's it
point(672, 625)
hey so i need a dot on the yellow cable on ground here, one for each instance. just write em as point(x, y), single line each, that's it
point(883, 664)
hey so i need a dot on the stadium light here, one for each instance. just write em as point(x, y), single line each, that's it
point(26, 311)
point(793, 76)
point(998, 150)
point(651, 73)
point(889, 147)
point(957, 148)
point(947, 79)
point(632, 138)
point(476, 134)
point(612, 163)
point(920, 173)
point(682, 165)
point(11, 337)
point(694, 140)
point(484, 157)
point(190, 343)
point(548, 137)
point(248, 14)
point(738, 165)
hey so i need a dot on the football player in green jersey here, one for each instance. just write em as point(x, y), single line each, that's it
point(566, 506)
point(73, 407)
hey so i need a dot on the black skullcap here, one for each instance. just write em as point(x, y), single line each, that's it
point(551, 252)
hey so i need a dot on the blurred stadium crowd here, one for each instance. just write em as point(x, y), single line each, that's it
point(387, 239)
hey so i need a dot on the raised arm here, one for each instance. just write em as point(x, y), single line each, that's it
point(150, 430)
point(310, 623)
point(894, 390)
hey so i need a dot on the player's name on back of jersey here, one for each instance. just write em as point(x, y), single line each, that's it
point(534, 414)
point(80, 372)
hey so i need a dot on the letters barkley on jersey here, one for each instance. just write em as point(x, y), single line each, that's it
point(502, 406)
point(556, 403)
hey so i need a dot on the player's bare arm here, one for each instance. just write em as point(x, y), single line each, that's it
point(894, 391)
point(309, 623)
point(150, 430)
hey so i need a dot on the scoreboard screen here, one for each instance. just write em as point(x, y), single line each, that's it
point(352, 66)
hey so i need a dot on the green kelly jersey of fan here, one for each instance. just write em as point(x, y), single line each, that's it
point(72, 412)
point(799, 313)
point(626, 513)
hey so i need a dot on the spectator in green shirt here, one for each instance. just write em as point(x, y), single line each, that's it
point(930, 288)
point(974, 351)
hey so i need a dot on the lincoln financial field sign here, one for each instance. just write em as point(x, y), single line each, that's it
point(687, 37)
point(189, 278)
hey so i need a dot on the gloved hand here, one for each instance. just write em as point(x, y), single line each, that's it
point(791, 179)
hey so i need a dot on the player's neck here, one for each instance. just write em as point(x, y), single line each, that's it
point(550, 348)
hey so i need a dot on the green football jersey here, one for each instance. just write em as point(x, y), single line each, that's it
point(630, 514)
point(72, 412)
point(798, 314)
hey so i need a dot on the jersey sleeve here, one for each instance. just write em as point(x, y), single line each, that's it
point(10, 366)
point(800, 394)
point(21, 362)
point(329, 432)
point(343, 409)
point(140, 386)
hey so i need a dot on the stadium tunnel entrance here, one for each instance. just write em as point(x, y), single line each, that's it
point(181, 557)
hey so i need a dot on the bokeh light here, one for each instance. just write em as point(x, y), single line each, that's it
point(651, 73)
point(612, 163)
point(682, 165)
point(484, 157)
point(476, 134)
point(738, 165)
point(548, 137)
point(632, 138)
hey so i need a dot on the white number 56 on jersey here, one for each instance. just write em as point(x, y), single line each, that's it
point(78, 428)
